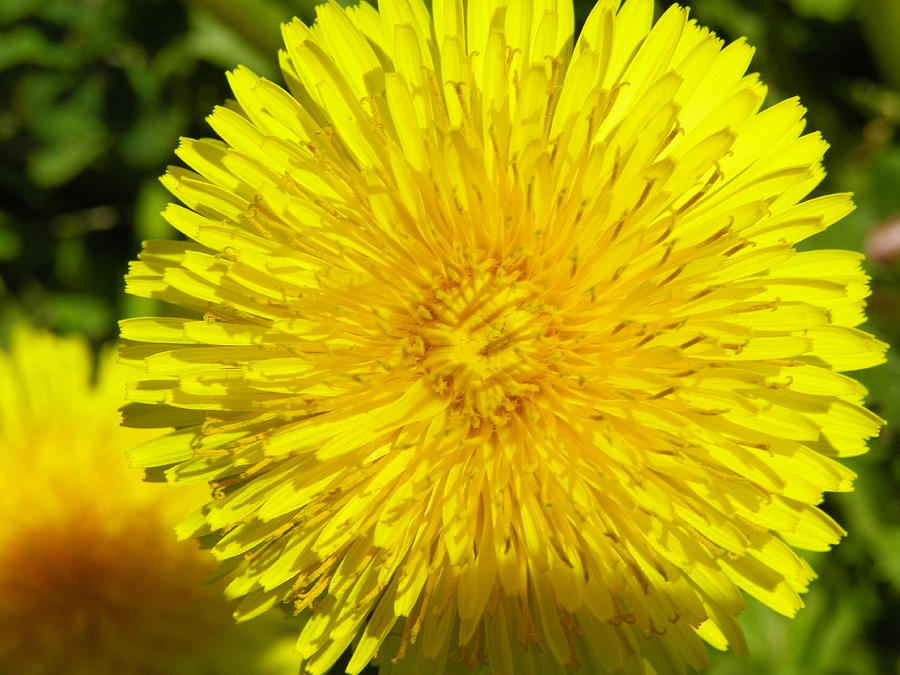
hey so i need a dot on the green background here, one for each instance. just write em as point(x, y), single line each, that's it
point(96, 93)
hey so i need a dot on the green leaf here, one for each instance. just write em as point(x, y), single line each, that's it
point(258, 22)
point(27, 45)
point(214, 40)
point(15, 10)
point(829, 10)
point(10, 242)
point(150, 141)
point(148, 221)
point(79, 313)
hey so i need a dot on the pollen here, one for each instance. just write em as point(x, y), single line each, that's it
point(489, 341)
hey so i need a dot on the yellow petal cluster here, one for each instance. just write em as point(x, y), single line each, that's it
point(495, 346)
point(92, 579)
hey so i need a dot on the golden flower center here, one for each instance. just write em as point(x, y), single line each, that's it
point(92, 588)
point(487, 339)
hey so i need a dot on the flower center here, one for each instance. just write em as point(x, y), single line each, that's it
point(92, 587)
point(487, 339)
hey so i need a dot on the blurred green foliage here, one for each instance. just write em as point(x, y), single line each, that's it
point(97, 93)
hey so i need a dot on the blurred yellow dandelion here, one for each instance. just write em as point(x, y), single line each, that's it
point(92, 580)
point(501, 350)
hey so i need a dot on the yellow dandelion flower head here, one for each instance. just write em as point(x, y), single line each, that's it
point(502, 355)
point(92, 579)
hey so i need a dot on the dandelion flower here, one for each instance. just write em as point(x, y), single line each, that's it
point(498, 352)
point(92, 580)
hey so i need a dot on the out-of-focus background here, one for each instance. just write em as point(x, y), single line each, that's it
point(95, 93)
